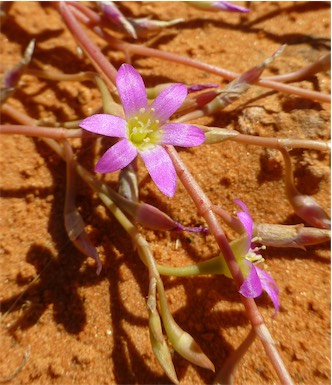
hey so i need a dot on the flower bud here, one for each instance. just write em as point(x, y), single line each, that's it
point(218, 135)
point(145, 24)
point(217, 6)
point(309, 210)
point(290, 235)
point(113, 14)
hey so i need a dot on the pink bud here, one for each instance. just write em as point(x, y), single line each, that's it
point(151, 217)
point(290, 235)
point(309, 210)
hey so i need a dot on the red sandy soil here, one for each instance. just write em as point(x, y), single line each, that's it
point(63, 324)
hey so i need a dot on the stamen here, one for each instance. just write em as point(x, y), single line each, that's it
point(259, 248)
point(142, 110)
point(254, 258)
point(257, 239)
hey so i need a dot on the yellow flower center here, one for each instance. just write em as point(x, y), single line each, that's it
point(144, 130)
point(252, 255)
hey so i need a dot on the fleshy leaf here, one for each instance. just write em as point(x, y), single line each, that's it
point(160, 347)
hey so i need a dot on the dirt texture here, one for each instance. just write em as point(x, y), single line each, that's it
point(61, 323)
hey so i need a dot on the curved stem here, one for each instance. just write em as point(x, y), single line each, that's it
point(129, 48)
point(229, 75)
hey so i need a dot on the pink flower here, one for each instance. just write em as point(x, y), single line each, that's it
point(257, 279)
point(144, 130)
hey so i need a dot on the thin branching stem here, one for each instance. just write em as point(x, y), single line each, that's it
point(104, 67)
point(130, 48)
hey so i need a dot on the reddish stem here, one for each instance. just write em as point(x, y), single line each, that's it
point(205, 208)
point(104, 67)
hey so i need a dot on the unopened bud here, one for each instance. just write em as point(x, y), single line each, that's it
point(304, 206)
point(155, 219)
point(145, 25)
point(239, 85)
point(290, 235)
point(217, 6)
point(200, 87)
point(199, 101)
point(113, 14)
point(218, 135)
point(310, 211)
point(150, 216)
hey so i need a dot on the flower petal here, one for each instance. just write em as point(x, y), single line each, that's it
point(131, 90)
point(116, 157)
point(251, 287)
point(183, 135)
point(269, 286)
point(168, 101)
point(161, 169)
point(247, 223)
point(242, 205)
point(105, 124)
